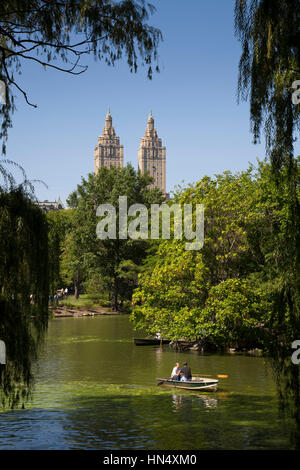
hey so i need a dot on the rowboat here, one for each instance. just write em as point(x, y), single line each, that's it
point(196, 383)
point(149, 341)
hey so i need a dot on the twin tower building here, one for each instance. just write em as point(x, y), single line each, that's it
point(151, 153)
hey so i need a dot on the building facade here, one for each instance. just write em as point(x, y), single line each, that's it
point(47, 206)
point(108, 152)
point(151, 153)
point(152, 156)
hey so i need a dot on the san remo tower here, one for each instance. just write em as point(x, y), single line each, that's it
point(108, 152)
point(152, 156)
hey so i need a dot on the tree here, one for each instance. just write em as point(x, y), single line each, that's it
point(224, 292)
point(233, 312)
point(171, 294)
point(229, 208)
point(74, 256)
point(59, 224)
point(270, 63)
point(57, 34)
point(23, 291)
point(117, 259)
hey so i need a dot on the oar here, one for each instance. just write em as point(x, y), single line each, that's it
point(161, 382)
point(220, 376)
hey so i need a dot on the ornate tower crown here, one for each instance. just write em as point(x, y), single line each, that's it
point(108, 152)
point(150, 129)
point(152, 156)
point(108, 129)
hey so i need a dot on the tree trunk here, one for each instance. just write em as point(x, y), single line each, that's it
point(116, 294)
point(76, 286)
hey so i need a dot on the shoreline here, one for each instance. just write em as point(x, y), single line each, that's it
point(183, 345)
point(180, 345)
point(74, 312)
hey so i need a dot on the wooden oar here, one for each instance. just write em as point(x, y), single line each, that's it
point(220, 376)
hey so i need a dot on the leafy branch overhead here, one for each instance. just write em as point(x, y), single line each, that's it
point(58, 34)
point(269, 64)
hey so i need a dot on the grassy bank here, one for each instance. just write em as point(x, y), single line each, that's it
point(83, 301)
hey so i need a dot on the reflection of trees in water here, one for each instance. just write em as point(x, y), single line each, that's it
point(204, 400)
point(288, 384)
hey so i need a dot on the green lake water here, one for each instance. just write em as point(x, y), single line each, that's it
point(96, 390)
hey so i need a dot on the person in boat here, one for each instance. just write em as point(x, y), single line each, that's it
point(158, 335)
point(186, 373)
point(175, 374)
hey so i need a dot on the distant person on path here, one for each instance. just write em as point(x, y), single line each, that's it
point(66, 291)
point(186, 372)
point(175, 374)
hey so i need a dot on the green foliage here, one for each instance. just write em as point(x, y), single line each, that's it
point(232, 315)
point(115, 263)
point(84, 301)
point(73, 266)
point(95, 287)
point(59, 224)
point(228, 291)
point(170, 296)
point(269, 64)
point(23, 273)
point(229, 209)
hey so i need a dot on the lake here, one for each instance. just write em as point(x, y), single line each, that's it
point(94, 389)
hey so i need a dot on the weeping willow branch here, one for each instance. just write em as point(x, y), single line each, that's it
point(269, 31)
point(23, 292)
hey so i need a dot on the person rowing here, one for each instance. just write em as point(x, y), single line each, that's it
point(186, 373)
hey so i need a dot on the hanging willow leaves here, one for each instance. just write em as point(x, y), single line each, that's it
point(269, 31)
point(270, 62)
point(23, 291)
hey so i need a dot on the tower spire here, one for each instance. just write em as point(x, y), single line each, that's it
point(108, 152)
point(150, 118)
point(152, 156)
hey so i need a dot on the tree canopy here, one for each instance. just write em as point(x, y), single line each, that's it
point(227, 292)
point(23, 291)
point(269, 64)
point(115, 261)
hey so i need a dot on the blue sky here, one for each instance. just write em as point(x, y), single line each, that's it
point(193, 101)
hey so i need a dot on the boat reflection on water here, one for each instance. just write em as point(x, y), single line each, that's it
point(177, 401)
point(206, 401)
